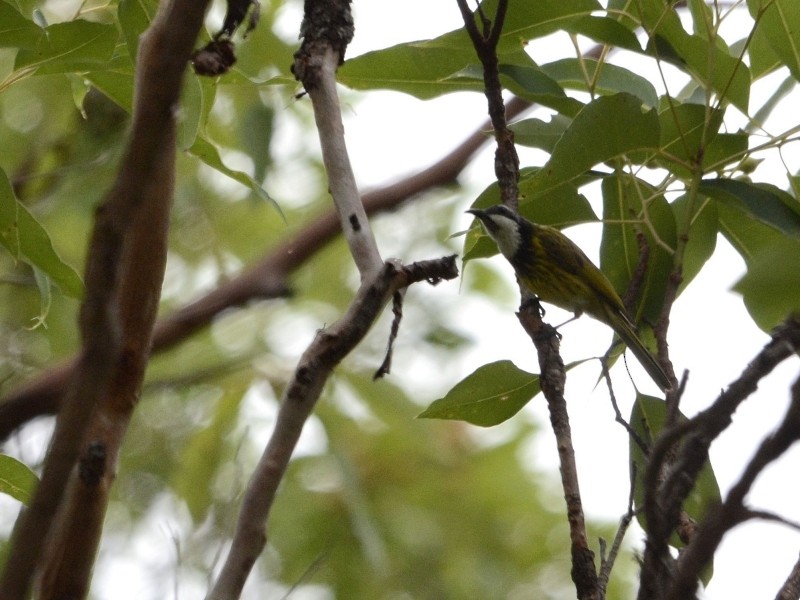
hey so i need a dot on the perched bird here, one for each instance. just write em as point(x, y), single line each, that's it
point(553, 268)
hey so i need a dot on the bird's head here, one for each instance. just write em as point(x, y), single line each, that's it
point(504, 226)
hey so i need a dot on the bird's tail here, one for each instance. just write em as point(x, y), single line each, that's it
point(627, 332)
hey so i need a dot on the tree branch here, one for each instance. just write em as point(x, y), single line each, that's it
point(146, 169)
point(326, 30)
point(327, 349)
point(268, 278)
point(733, 511)
point(665, 496)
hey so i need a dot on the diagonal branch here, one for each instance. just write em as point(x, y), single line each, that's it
point(327, 349)
point(268, 278)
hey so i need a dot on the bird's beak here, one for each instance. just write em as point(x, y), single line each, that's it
point(477, 212)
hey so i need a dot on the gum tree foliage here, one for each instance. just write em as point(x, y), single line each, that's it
point(649, 127)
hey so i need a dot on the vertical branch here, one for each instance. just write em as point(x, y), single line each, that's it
point(544, 337)
point(326, 30)
point(506, 161)
point(100, 326)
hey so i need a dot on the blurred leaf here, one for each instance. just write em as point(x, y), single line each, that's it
point(115, 80)
point(768, 294)
point(761, 201)
point(72, 46)
point(135, 17)
point(780, 21)
point(647, 421)
point(606, 78)
point(45, 297)
point(257, 129)
point(604, 129)
point(492, 394)
point(27, 240)
point(208, 153)
point(16, 479)
point(15, 30)
point(773, 101)
point(197, 100)
point(206, 449)
point(626, 199)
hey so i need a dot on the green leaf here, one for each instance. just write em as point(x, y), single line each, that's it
point(625, 199)
point(766, 289)
point(206, 450)
point(780, 21)
point(703, 228)
point(537, 133)
point(724, 149)
point(492, 394)
point(71, 46)
point(606, 128)
point(647, 421)
point(747, 235)
point(606, 78)
point(116, 81)
point(686, 132)
point(606, 31)
point(17, 480)
point(429, 68)
point(208, 153)
point(135, 17)
point(761, 201)
point(27, 240)
point(763, 59)
point(713, 66)
point(531, 83)
point(15, 30)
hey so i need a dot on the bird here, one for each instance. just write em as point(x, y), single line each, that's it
point(556, 271)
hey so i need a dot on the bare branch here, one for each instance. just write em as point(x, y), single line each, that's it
point(552, 378)
point(506, 161)
point(663, 500)
point(327, 349)
point(790, 590)
point(326, 30)
point(147, 165)
point(733, 511)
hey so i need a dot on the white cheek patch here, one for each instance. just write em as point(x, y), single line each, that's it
point(506, 235)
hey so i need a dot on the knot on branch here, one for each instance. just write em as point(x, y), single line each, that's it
point(326, 24)
point(218, 56)
point(92, 464)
